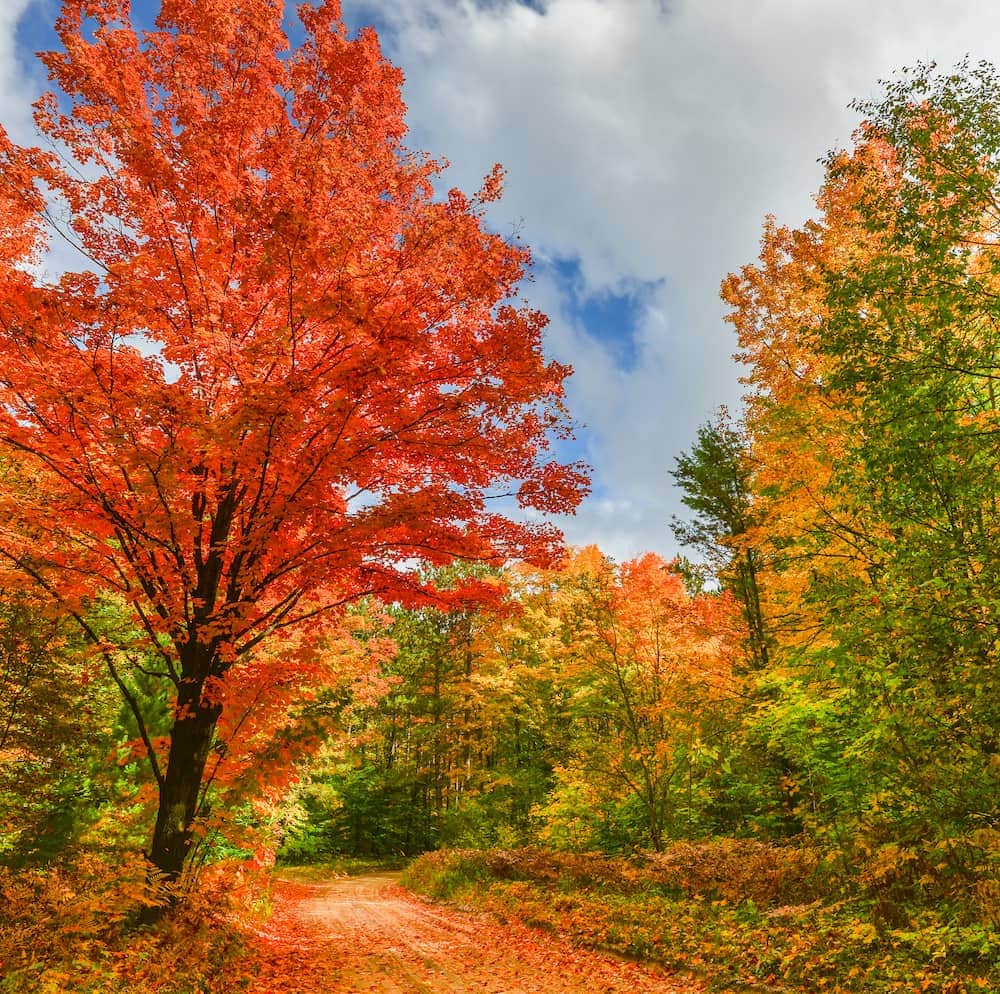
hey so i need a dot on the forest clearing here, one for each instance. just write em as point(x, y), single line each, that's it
point(337, 654)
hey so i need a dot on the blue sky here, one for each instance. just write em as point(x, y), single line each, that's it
point(644, 141)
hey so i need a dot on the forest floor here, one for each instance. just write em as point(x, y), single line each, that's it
point(367, 934)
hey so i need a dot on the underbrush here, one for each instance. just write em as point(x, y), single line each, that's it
point(72, 928)
point(737, 912)
point(342, 866)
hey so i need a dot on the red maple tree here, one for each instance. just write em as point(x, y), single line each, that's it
point(288, 372)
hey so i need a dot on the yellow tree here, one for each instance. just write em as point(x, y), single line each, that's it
point(871, 339)
point(806, 524)
point(648, 670)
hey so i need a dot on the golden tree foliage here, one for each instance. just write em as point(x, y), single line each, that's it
point(648, 670)
point(871, 340)
point(807, 523)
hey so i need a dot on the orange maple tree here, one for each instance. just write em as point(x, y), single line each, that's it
point(286, 373)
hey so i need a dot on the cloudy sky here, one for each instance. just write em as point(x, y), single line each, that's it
point(645, 140)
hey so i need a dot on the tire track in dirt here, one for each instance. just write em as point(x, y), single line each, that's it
point(366, 935)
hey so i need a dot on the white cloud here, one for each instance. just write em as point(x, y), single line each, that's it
point(15, 110)
point(22, 81)
point(648, 139)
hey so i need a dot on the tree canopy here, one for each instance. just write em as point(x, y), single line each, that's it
point(286, 371)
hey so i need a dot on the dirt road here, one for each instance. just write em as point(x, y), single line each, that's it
point(367, 934)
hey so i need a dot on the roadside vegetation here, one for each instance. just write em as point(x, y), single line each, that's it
point(733, 914)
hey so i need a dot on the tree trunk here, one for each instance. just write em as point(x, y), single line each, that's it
point(752, 612)
point(190, 744)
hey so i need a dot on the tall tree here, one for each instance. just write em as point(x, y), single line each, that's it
point(649, 671)
point(871, 339)
point(715, 482)
point(288, 372)
point(912, 342)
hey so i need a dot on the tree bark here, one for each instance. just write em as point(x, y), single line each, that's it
point(190, 744)
point(752, 611)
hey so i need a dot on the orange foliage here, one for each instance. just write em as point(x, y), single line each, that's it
point(287, 373)
point(798, 425)
point(648, 666)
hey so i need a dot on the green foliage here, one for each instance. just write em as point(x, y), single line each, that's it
point(716, 483)
point(452, 750)
point(361, 811)
point(65, 760)
point(872, 432)
point(911, 698)
point(580, 816)
point(342, 866)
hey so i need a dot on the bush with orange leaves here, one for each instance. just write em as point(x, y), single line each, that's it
point(71, 927)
